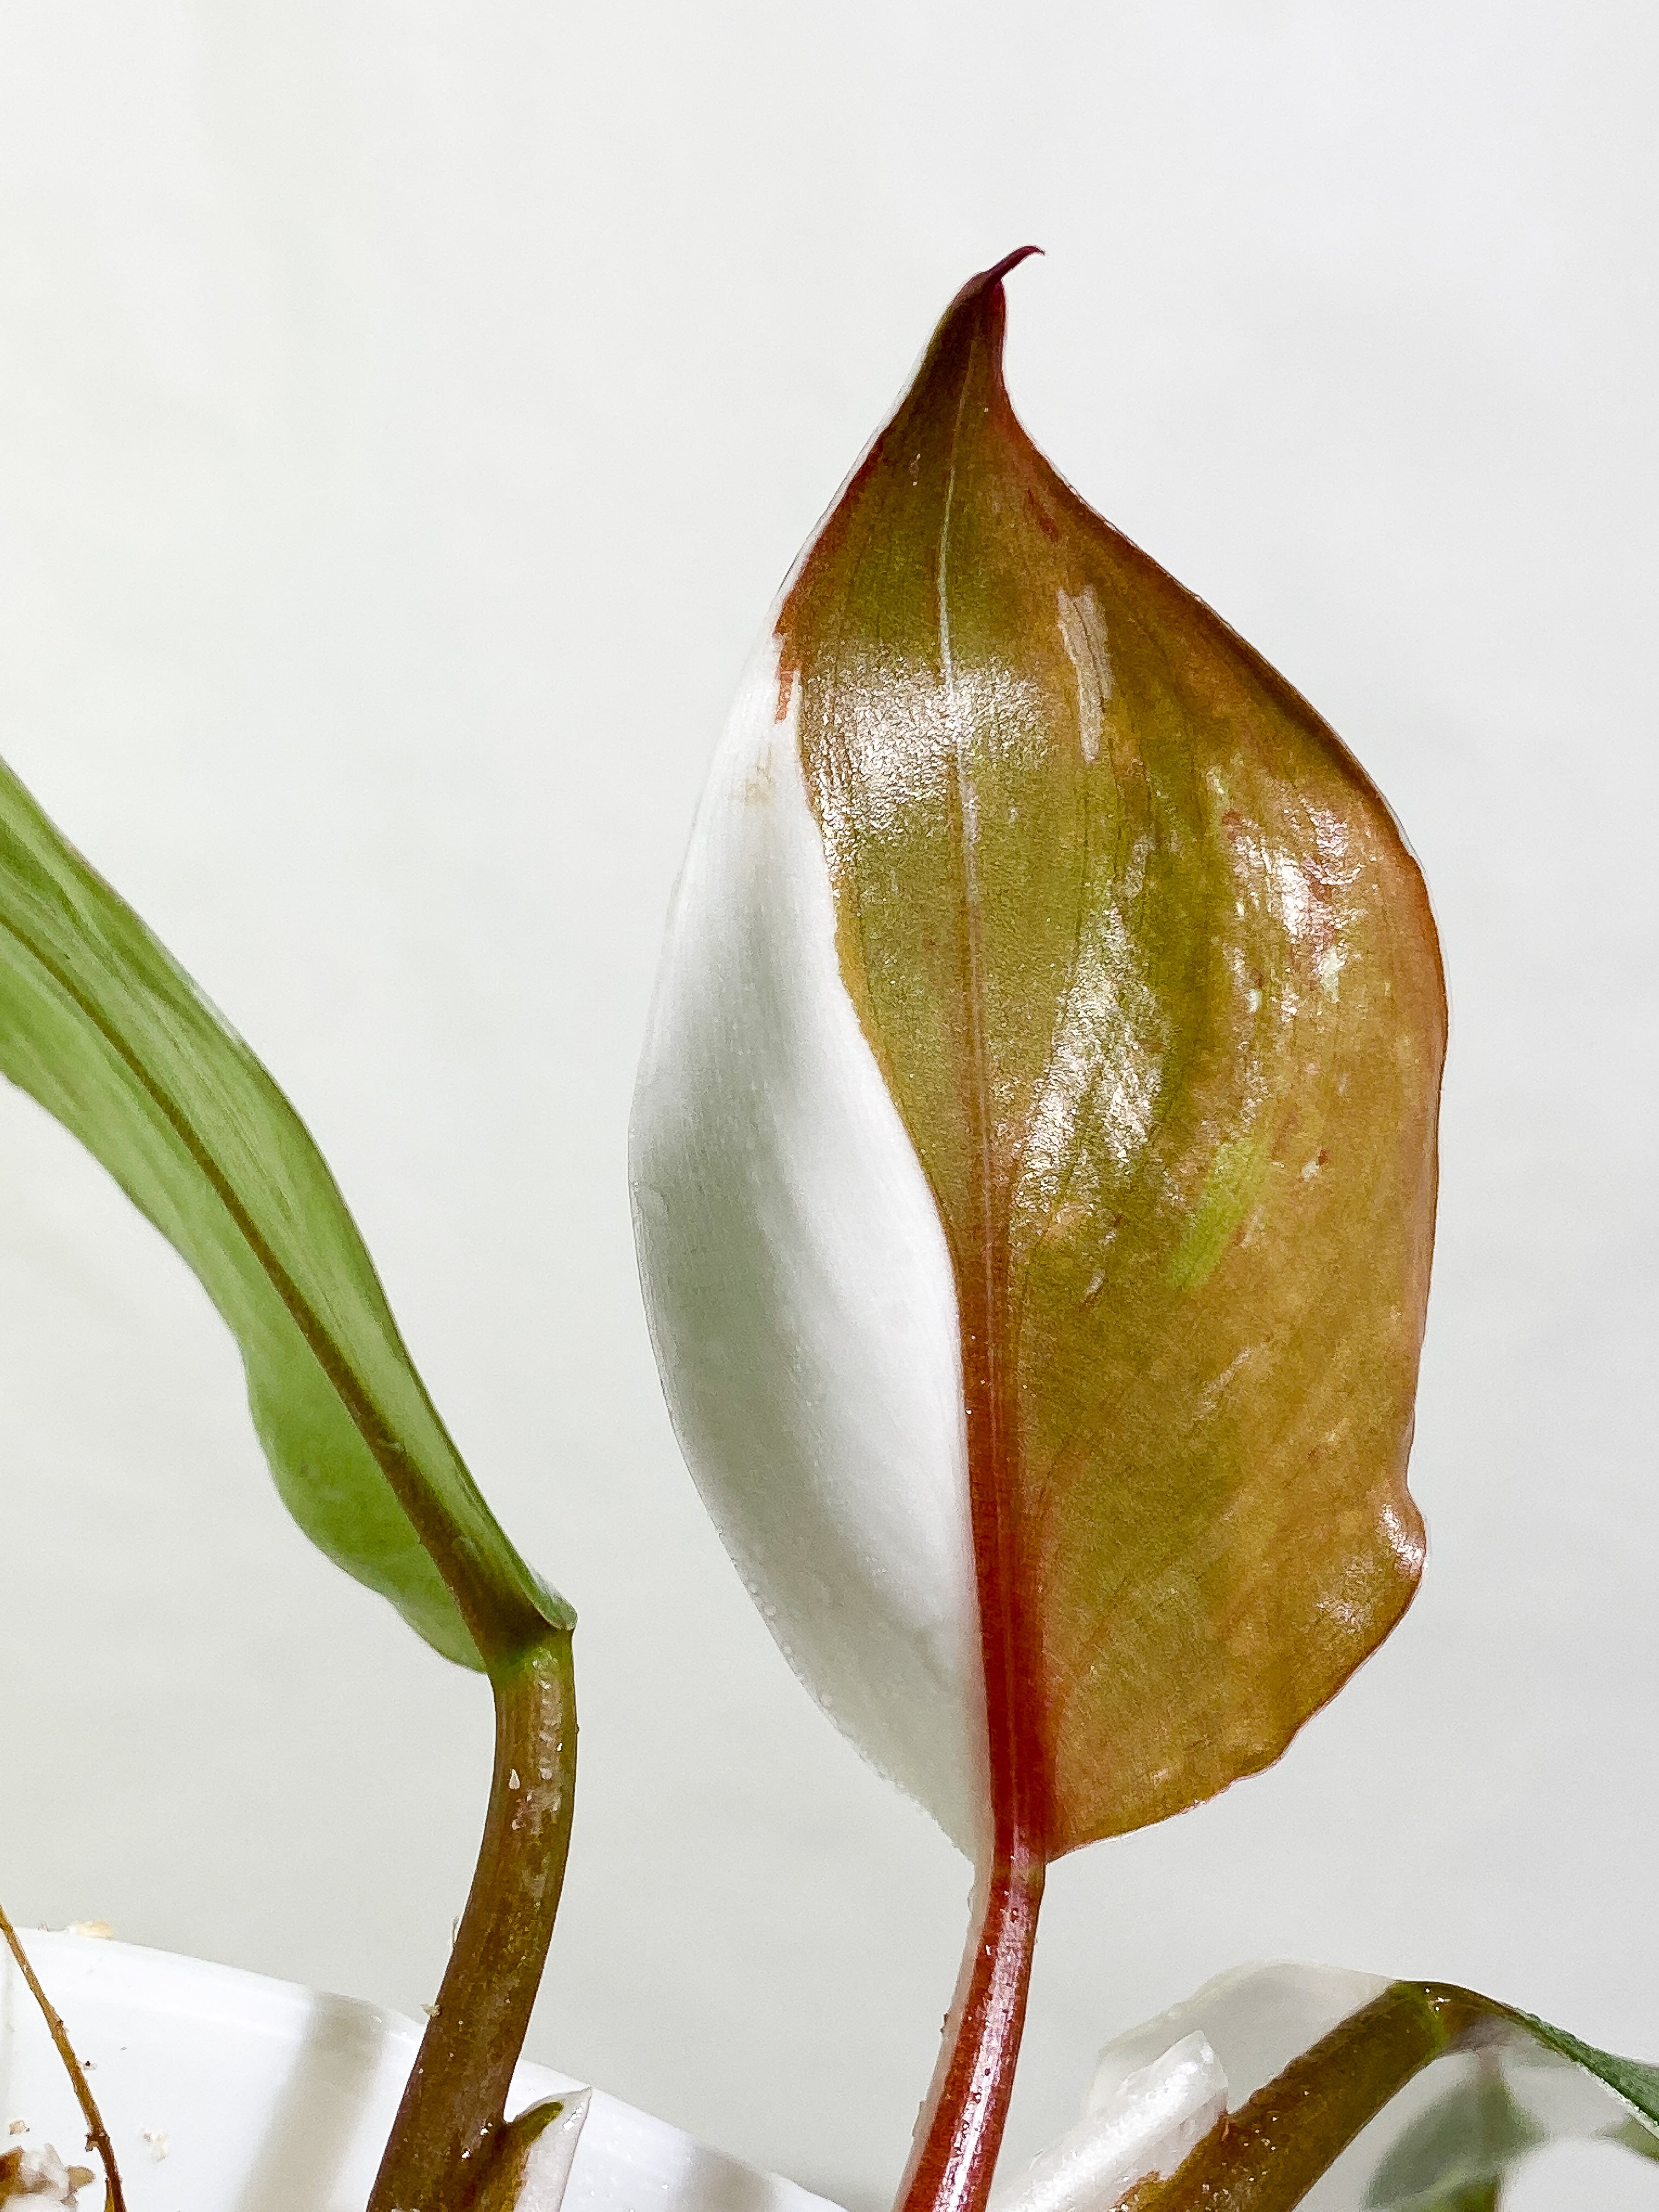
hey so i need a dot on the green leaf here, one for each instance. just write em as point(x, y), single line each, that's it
point(1629, 2078)
point(101, 1026)
point(1636, 2136)
point(1456, 2153)
point(1463, 2149)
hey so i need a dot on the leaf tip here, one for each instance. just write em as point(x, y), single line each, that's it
point(981, 299)
point(994, 276)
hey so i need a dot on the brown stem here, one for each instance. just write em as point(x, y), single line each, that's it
point(97, 2133)
point(453, 2109)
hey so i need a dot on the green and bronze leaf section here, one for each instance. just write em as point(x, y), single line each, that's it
point(1154, 983)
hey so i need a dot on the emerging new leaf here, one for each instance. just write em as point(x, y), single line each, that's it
point(1034, 1148)
point(1390, 2097)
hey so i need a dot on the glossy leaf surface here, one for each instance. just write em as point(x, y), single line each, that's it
point(1153, 981)
point(101, 1026)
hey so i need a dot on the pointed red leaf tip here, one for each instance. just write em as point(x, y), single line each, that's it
point(988, 277)
point(985, 293)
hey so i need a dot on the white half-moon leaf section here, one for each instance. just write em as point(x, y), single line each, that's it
point(798, 1286)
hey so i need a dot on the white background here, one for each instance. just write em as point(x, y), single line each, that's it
point(406, 414)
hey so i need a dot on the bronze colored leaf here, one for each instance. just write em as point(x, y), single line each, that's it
point(1153, 982)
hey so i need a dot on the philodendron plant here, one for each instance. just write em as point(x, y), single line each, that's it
point(1034, 1157)
point(1034, 1160)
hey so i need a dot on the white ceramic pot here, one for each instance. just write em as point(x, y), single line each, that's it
point(226, 2092)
